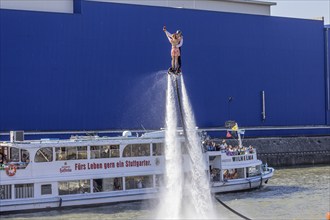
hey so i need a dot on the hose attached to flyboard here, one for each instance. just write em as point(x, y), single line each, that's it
point(230, 209)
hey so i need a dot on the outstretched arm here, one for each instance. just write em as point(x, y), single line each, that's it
point(168, 34)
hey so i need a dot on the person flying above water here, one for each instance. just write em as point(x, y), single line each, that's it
point(176, 41)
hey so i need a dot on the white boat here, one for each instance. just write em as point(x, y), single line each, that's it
point(236, 168)
point(90, 170)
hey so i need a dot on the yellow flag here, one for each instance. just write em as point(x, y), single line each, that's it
point(235, 128)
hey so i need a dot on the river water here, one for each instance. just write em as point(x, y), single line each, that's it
point(293, 193)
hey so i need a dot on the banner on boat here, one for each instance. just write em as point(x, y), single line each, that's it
point(105, 165)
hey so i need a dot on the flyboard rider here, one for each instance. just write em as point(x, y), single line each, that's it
point(176, 41)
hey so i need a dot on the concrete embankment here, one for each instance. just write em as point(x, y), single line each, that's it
point(291, 151)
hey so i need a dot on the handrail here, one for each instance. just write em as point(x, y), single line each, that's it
point(260, 128)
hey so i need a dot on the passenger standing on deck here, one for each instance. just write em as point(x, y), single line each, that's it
point(175, 51)
point(2, 157)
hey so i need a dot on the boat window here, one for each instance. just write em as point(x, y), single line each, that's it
point(253, 171)
point(82, 152)
point(61, 153)
point(233, 173)
point(24, 191)
point(158, 149)
point(114, 151)
point(107, 184)
point(14, 154)
point(74, 187)
point(159, 180)
point(136, 150)
point(215, 174)
point(96, 151)
point(104, 151)
point(5, 192)
point(44, 154)
point(25, 156)
point(71, 153)
point(3, 157)
point(46, 189)
point(138, 182)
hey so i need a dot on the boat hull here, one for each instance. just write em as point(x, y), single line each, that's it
point(74, 201)
point(111, 197)
point(242, 184)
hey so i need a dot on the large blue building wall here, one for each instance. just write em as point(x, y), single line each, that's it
point(104, 68)
point(327, 69)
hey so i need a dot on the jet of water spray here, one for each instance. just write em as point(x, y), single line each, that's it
point(183, 197)
point(200, 189)
point(170, 206)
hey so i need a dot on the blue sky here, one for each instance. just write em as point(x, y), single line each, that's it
point(308, 9)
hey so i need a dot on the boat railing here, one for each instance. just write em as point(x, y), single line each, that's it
point(233, 156)
point(265, 168)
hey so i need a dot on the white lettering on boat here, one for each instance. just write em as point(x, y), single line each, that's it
point(138, 163)
point(107, 165)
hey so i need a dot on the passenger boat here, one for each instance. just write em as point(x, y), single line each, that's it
point(235, 168)
point(90, 170)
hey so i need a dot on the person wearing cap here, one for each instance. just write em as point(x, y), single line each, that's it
point(176, 40)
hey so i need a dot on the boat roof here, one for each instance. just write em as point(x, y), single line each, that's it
point(92, 139)
point(251, 2)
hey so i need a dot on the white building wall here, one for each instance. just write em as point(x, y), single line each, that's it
point(61, 6)
point(66, 6)
point(235, 6)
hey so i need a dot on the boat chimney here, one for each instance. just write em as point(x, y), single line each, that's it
point(16, 136)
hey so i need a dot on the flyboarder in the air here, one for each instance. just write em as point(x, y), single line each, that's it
point(176, 41)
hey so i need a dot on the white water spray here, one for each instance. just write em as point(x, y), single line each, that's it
point(200, 189)
point(183, 198)
point(171, 198)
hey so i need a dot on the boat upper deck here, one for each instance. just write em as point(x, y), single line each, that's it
point(126, 137)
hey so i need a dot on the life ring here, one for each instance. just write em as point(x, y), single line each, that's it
point(11, 170)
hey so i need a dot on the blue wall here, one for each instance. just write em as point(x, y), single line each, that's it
point(327, 70)
point(104, 68)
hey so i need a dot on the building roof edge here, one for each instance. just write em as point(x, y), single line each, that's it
point(251, 2)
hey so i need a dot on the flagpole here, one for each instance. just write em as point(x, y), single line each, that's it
point(238, 135)
point(229, 102)
point(239, 139)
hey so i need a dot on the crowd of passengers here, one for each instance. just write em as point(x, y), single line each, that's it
point(227, 174)
point(230, 150)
